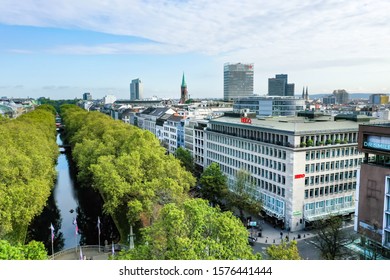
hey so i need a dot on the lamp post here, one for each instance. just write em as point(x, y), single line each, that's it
point(131, 238)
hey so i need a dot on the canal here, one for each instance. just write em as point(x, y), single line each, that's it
point(67, 202)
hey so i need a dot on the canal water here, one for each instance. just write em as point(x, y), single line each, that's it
point(68, 202)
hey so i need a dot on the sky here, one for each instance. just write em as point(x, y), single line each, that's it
point(61, 49)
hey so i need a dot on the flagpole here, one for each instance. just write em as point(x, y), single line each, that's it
point(52, 240)
point(52, 248)
point(99, 232)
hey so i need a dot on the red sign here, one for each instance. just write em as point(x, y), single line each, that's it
point(246, 120)
point(299, 176)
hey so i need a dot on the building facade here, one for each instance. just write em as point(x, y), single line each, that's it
point(270, 105)
point(373, 209)
point(301, 170)
point(279, 86)
point(341, 95)
point(136, 89)
point(87, 96)
point(237, 80)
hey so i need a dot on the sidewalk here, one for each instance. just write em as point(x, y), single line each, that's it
point(271, 235)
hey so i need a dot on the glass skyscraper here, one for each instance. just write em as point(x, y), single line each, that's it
point(136, 90)
point(237, 81)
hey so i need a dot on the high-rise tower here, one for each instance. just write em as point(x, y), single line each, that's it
point(184, 91)
point(279, 86)
point(237, 81)
point(136, 89)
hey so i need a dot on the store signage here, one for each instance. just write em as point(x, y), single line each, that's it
point(299, 176)
point(297, 213)
point(377, 143)
point(246, 120)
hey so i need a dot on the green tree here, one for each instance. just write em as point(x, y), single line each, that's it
point(331, 239)
point(32, 251)
point(213, 184)
point(185, 158)
point(28, 152)
point(193, 231)
point(126, 165)
point(284, 251)
point(242, 195)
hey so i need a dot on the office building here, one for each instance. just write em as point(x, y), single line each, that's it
point(237, 81)
point(341, 95)
point(379, 99)
point(270, 105)
point(87, 96)
point(373, 209)
point(136, 90)
point(329, 100)
point(279, 86)
point(302, 168)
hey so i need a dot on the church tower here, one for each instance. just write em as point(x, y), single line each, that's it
point(184, 91)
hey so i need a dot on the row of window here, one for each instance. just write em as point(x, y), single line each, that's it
point(331, 165)
point(278, 178)
point(253, 148)
point(276, 165)
point(261, 136)
point(329, 202)
point(326, 178)
point(331, 153)
point(271, 188)
point(329, 190)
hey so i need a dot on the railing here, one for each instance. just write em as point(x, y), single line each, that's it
point(71, 250)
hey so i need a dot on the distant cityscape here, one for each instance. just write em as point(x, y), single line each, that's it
point(309, 156)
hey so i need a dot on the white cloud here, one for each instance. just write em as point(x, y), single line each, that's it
point(308, 37)
point(249, 28)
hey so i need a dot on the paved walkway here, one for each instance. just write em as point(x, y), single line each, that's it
point(271, 235)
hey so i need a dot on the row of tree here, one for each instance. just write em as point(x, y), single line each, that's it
point(28, 154)
point(141, 184)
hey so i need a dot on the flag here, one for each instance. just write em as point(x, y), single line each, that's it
point(81, 254)
point(77, 228)
point(52, 232)
point(98, 224)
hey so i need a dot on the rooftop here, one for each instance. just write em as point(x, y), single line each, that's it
point(294, 124)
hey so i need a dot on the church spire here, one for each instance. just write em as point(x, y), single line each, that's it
point(184, 91)
point(183, 82)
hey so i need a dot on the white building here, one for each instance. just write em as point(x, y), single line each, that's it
point(148, 117)
point(173, 135)
point(270, 105)
point(109, 99)
point(301, 169)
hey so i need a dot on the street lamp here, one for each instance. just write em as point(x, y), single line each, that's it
point(131, 238)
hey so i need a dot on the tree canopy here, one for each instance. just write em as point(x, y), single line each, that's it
point(126, 164)
point(28, 153)
point(242, 195)
point(31, 251)
point(213, 184)
point(284, 251)
point(193, 231)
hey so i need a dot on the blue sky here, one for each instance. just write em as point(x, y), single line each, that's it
point(63, 48)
